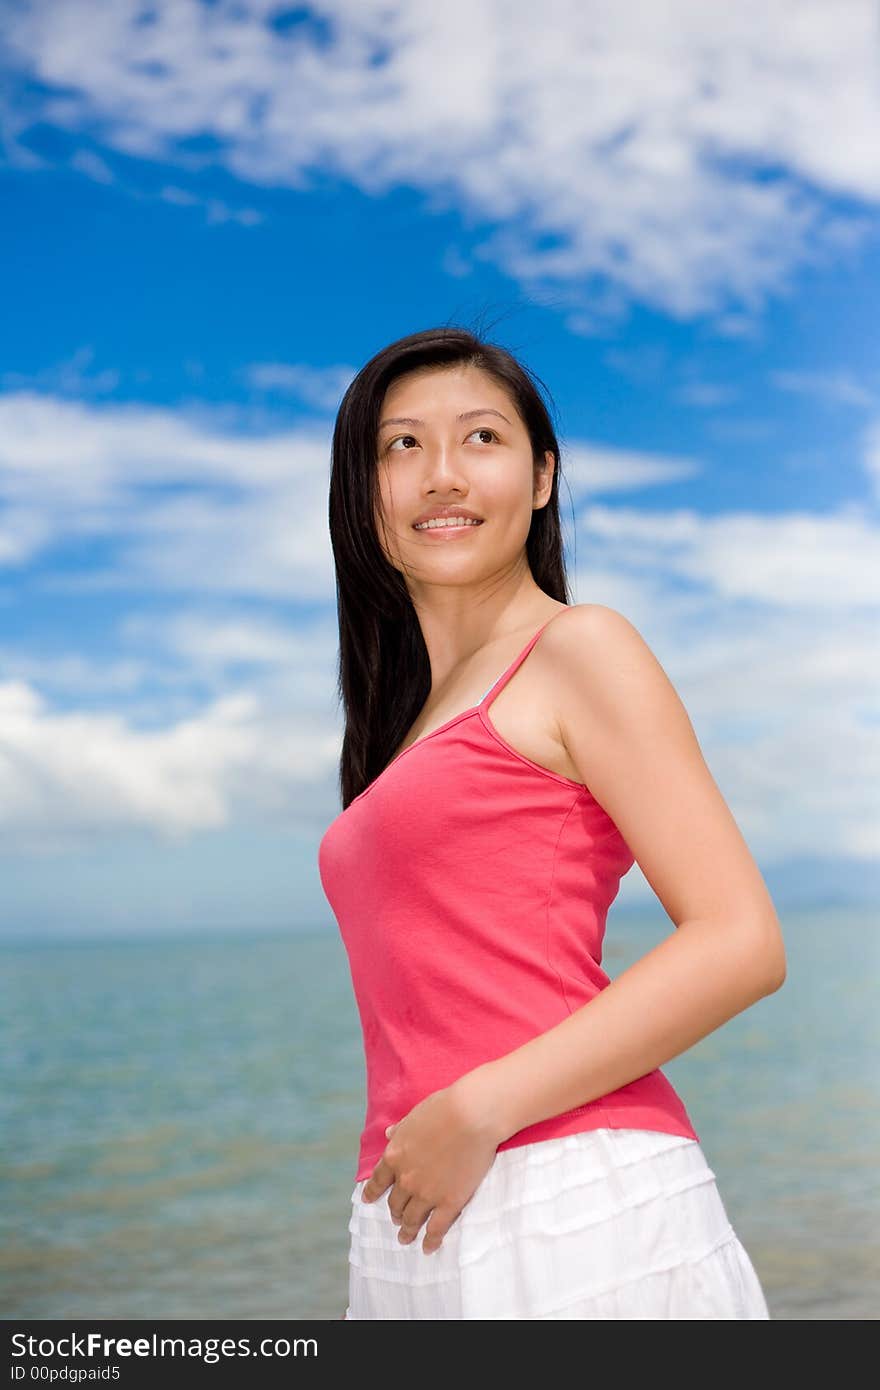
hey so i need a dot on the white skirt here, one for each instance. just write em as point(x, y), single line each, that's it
point(608, 1223)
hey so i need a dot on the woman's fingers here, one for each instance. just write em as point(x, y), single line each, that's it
point(440, 1220)
point(378, 1182)
point(411, 1216)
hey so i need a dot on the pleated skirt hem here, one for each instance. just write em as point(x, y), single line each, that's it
point(608, 1223)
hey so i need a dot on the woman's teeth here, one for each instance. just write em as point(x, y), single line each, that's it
point(447, 521)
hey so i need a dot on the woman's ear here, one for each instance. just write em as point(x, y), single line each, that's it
point(544, 481)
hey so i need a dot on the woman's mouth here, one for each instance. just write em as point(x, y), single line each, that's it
point(447, 523)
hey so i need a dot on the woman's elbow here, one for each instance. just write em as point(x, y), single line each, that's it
point(776, 964)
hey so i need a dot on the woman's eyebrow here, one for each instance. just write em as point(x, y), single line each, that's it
point(465, 415)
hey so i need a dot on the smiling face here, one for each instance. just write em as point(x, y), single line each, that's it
point(451, 437)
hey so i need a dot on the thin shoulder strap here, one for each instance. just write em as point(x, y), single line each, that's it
point(502, 680)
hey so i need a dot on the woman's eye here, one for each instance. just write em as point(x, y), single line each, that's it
point(481, 429)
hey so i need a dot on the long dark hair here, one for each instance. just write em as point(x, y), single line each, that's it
point(384, 672)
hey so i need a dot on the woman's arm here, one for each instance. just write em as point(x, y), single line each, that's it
point(635, 748)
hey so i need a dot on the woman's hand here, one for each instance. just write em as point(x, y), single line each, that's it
point(435, 1160)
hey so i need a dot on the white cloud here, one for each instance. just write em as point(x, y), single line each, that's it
point(743, 430)
point(793, 560)
point(706, 394)
point(644, 364)
point(599, 139)
point(591, 469)
point(71, 377)
point(186, 506)
point(840, 387)
point(220, 644)
point(320, 387)
point(92, 165)
point(67, 777)
point(872, 455)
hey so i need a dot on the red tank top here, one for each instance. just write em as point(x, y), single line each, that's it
point(471, 886)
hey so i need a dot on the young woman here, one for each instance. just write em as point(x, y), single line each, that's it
point(523, 1155)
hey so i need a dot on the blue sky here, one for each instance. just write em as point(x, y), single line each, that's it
point(215, 213)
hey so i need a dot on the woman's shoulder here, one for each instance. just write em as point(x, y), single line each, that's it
point(594, 652)
point(590, 623)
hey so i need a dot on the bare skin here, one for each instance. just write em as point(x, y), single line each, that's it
point(523, 712)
